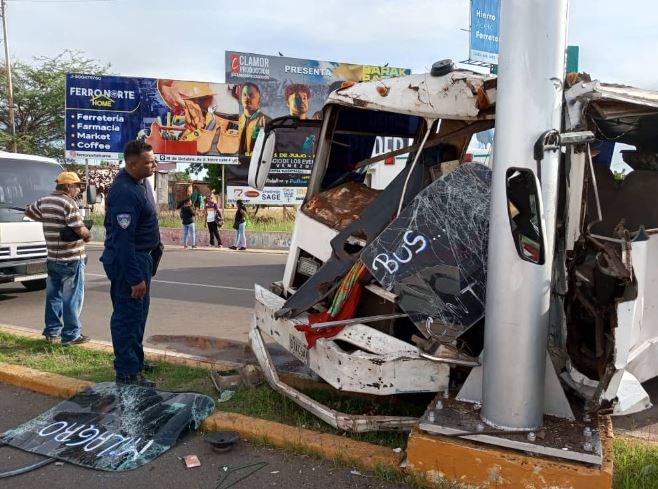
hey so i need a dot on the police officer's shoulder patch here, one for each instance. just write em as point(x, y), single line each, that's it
point(124, 220)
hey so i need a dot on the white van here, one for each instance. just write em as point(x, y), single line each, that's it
point(23, 179)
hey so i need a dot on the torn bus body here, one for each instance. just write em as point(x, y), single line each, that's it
point(412, 259)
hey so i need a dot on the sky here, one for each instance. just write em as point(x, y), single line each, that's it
point(187, 40)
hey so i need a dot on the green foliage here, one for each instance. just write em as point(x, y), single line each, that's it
point(180, 176)
point(213, 175)
point(69, 165)
point(171, 219)
point(619, 175)
point(95, 366)
point(39, 95)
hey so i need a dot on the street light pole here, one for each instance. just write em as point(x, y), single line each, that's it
point(10, 87)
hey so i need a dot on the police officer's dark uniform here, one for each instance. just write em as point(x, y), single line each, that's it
point(132, 233)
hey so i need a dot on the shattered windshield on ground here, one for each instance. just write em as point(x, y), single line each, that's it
point(110, 427)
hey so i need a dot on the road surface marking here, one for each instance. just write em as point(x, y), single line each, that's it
point(183, 283)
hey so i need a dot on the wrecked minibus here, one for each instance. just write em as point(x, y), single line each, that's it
point(384, 290)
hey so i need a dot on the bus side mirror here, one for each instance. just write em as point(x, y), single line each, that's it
point(524, 209)
point(261, 159)
point(91, 194)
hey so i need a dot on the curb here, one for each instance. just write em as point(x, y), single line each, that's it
point(285, 436)
point(35, 380)
point(152, 354)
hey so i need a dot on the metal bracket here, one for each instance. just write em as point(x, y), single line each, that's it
point(553, 140)
point(367, 319)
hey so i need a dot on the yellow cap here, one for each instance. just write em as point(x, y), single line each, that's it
point(68, 177)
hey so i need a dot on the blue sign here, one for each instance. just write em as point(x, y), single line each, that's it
point(184, 121)
point(485, 30)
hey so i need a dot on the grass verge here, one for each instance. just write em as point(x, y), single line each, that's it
point(636, 462)
point(261, 402)
point(264, 223)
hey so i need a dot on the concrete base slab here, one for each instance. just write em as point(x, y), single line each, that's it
point(558, 437)
point(438, 457)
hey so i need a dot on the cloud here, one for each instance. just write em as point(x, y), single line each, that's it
point(169, 38)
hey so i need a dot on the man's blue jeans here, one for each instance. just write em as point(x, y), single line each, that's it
point(65, 293)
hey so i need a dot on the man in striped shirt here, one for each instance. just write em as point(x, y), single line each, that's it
point(66, 260)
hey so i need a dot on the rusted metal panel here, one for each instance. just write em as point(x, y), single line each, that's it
point(461, 94)
point(370, 223)
point(340, 206)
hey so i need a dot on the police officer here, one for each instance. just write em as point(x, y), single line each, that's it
point(132, 234)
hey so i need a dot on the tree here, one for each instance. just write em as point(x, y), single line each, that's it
point(39, 96)
point(213, 175)
point(180, 176)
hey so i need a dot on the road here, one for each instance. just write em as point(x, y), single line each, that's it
point(202, 292)
point(201, 303)
point(284, 469)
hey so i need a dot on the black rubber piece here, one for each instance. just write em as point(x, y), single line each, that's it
point(442, 67)
point(222, 441)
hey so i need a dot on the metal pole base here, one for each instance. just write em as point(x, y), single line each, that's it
point(577, 440)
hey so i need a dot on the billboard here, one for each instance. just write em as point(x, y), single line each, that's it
point(485, 31)
point(274, 86)
point(184, 121)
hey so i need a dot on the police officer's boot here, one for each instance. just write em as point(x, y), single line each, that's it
point(134, 380)
point(149, 367)
point(144, 382)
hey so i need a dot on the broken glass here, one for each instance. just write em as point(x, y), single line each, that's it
point(110, 427)
point(434, 254)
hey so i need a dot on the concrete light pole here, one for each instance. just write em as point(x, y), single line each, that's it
point(10, 87)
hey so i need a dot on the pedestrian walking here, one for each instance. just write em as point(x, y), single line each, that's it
point(65, 285)
point(187, 215)
point(239, 225)
point(214, 221)
point(130, 258)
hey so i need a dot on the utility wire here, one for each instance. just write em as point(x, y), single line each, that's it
point(59, 1)
point(25, 470)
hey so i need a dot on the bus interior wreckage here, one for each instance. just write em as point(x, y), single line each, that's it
point(384, 290)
